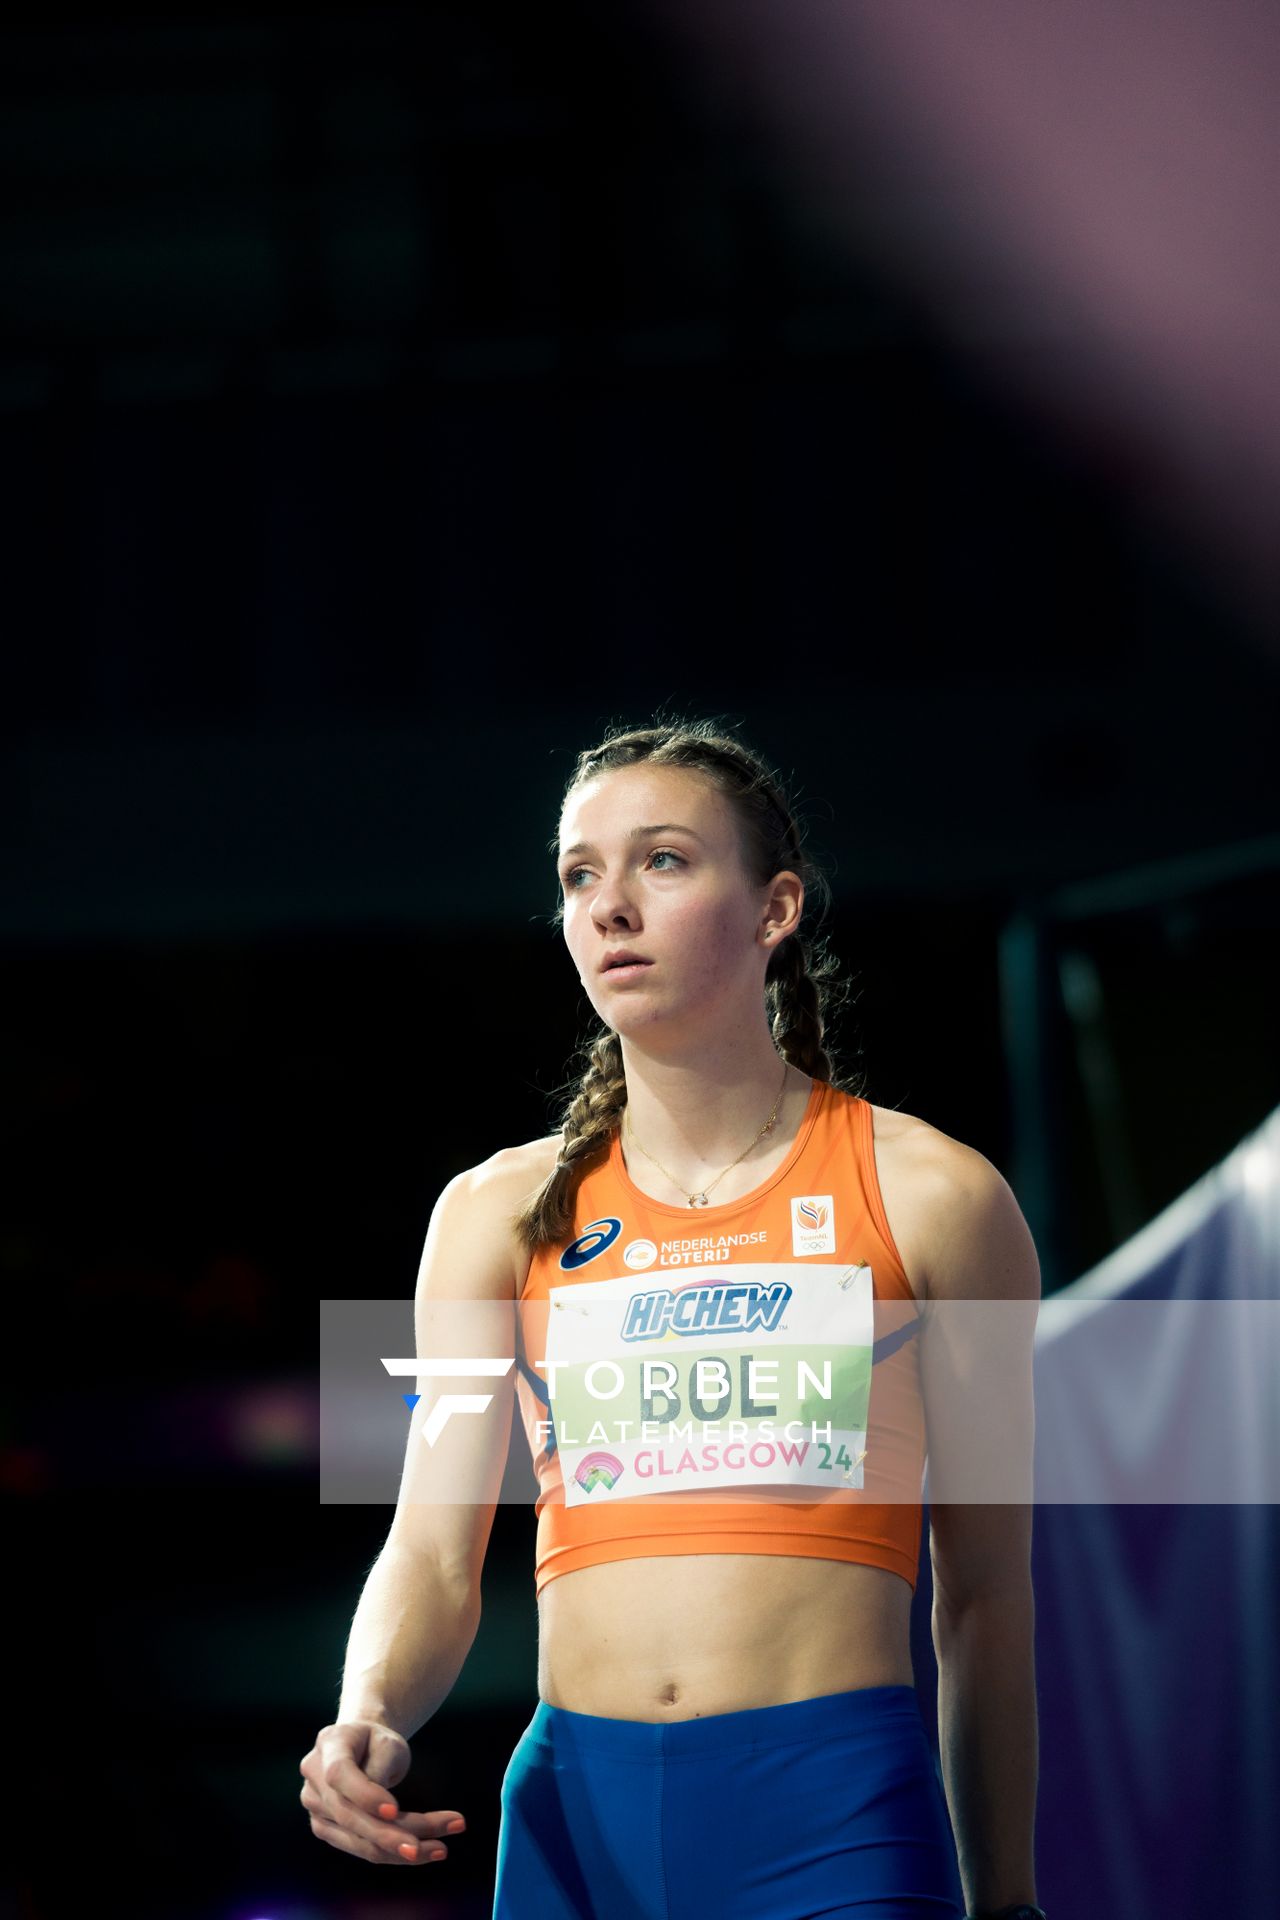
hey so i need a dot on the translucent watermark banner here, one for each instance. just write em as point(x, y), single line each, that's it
point(769, 1387)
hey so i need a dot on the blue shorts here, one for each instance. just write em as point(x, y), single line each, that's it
point(826, 1806)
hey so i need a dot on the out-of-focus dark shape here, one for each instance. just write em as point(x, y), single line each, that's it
point(1085, 196)
point(229, 1290)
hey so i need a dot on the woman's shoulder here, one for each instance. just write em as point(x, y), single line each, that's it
point(953, 1214)
point(923, 1175)
point(513, 1174)
point(920, 1145)
point(473, 1227)
point(530, 1160)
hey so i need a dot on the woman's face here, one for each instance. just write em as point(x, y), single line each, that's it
point(650, 861)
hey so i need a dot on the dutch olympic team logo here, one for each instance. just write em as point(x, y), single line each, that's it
point(591, 1242)
point(813, 1224)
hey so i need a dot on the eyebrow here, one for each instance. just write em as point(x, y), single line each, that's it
point(637, 833)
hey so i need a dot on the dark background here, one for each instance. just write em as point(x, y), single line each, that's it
point(389, 400)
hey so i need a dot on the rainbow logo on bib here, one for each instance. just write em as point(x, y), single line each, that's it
point(598, 1470)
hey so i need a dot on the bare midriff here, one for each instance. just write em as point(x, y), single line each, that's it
point(676, 1636)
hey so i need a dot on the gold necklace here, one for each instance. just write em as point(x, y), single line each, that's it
point(700, 1199)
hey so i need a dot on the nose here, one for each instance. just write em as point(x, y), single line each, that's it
point(613, 902)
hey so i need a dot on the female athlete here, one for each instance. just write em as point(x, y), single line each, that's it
point(727, 1721)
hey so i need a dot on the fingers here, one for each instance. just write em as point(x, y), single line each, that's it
point(399, 1838)
point(340, 1775)
point(348, 1842)
point(362, 1816)
point(427, 1829)
point(349, 1797)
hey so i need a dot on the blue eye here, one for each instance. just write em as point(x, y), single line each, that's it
point(661, 853)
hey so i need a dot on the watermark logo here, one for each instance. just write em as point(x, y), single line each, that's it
point(449, 1403)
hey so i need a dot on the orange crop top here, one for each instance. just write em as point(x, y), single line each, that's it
point(807, 1411)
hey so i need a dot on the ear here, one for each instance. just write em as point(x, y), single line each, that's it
point(783, 908)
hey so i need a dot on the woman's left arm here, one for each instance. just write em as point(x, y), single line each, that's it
point(983, 1290)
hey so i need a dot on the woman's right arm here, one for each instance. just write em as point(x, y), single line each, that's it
point(420, 1608)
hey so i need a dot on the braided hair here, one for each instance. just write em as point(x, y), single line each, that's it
point(803, 983)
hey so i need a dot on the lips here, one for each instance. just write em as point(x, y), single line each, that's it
point(623, 959)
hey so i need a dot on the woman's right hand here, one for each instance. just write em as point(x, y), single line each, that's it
point(345, 1780)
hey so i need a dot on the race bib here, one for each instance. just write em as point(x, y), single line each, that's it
point(756, 1376)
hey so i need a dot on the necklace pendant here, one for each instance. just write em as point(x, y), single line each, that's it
point(698, 1200)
